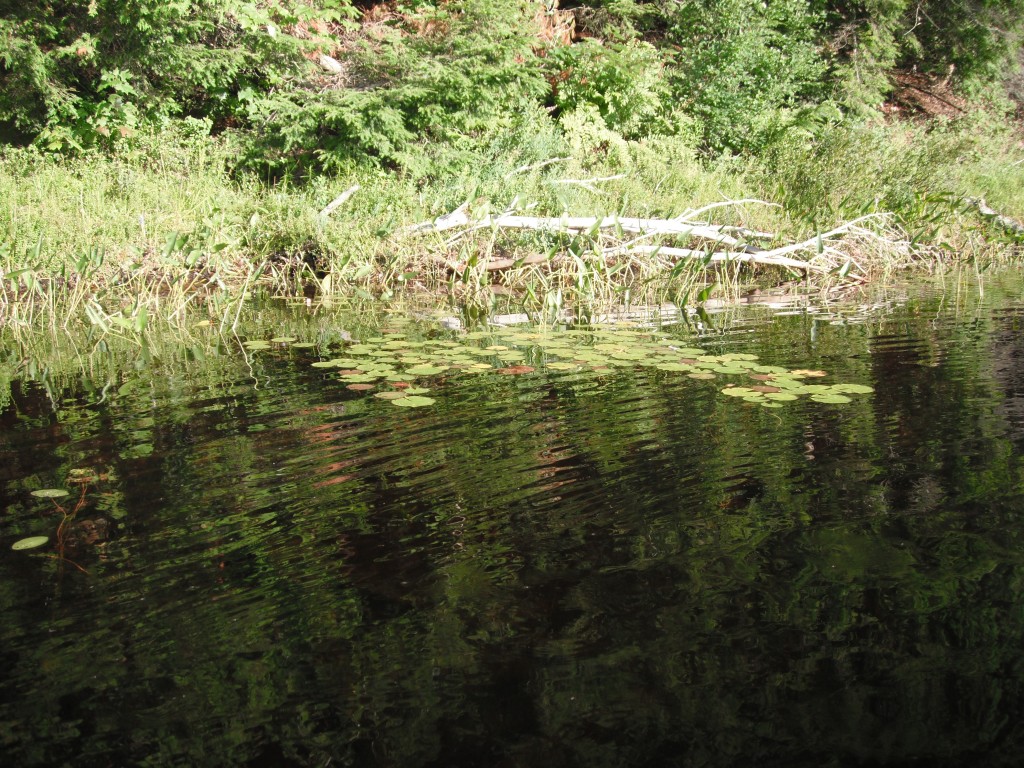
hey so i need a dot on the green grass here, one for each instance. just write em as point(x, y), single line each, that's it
point(156, 232)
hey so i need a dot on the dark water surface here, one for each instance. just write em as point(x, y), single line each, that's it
point(555, 569)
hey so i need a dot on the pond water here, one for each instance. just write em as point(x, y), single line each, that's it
point(607, 562)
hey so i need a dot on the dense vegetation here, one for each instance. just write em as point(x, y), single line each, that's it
point(275, 106)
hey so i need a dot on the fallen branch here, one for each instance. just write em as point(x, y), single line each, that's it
point(1006, 222)
point(339, 201)
point(767, 258)
point(825, 253)
point(534, 166)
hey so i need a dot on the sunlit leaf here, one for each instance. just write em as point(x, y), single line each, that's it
point(830, 398)
point(426, 370)
point(852, 389)
point(50, 493)
point(30, 543)
point(414, 401)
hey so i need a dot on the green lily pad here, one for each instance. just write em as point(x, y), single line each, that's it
point(739, 392)
point(50, 493)
point(781, 397)
point(830, 398)
point(414, 401)
point(701, 376)
point(283, 339)
point(395, 395)
point(426, 370)
point(30, 543)
point(852, 389)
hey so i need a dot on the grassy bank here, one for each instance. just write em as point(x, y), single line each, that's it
point(168, 225)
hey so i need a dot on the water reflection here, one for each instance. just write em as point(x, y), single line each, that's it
point(557, 569)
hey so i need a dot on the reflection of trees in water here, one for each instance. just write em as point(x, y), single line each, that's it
point(626, 571)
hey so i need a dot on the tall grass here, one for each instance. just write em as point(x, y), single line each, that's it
point(168, 230)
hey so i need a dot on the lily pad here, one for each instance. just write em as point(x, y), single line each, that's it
point(830, 398)
point(852, 389)
point(393, 395)
point(30, 543)
point(414, 401)
point(360, 387)
point(50, 493)
point(737, 391)
point(426, 370)
point(516, 370)
point(283, 339)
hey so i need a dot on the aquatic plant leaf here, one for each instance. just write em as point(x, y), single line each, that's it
point(781, 397)
point(414, 401)
point(806, 372)
point(426, 370)
point(360, 387)
point(830, 398)
point(283, 339)
point(852, 389)
point(560, 366)
point(701, 376)
point(393, 395)
point(763, 389)
point(737, 391)
point(303, 345)
point(50, 493)
point(674, 367)
point(416, 391)
point(515, 370)
point(30, 543)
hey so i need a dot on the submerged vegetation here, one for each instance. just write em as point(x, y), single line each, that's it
point(164, 160)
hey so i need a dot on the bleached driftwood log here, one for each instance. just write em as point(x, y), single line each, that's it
point(720, 243)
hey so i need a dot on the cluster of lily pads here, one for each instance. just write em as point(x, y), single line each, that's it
point(398, 368)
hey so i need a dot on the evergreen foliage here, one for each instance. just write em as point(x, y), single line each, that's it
point(76, 75)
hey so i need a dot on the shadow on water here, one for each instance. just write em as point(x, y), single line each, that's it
point(564, 568)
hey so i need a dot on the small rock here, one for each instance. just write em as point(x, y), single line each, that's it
point(330, 64)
